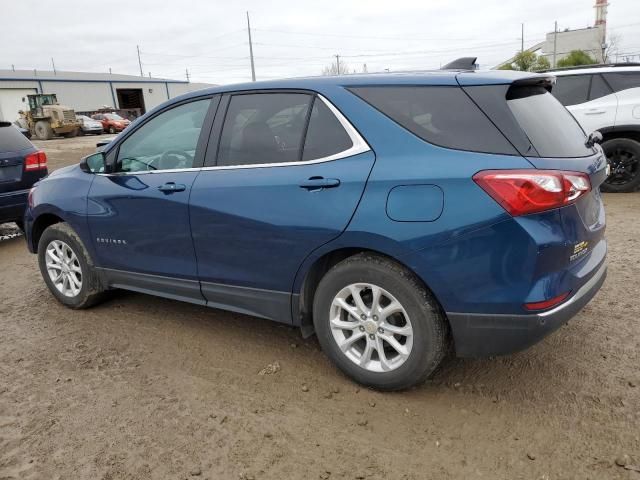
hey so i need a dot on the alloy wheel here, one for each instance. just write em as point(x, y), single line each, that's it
point(63, 268)
point(371, 327)
point(625, 166)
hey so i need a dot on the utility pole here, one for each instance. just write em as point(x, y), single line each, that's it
point(139, 61)
point(555, 43)
point(253, 67)
point(109, 70)
point(13, 67)
point(337, 64)
point(187, 72)
point(53, 64)
point(522, 38)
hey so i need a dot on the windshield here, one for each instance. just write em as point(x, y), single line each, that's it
point(551, 129)
point(113, 116)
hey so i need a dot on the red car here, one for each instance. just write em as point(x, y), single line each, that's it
point(111, 122)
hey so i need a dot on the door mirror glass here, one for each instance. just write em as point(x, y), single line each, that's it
point(94, 163)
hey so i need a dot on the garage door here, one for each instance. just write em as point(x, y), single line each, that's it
point(11, 100)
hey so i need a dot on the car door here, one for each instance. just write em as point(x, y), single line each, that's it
point(589, 99)
point(627, 88)
point(286, 177)
point(139, 215)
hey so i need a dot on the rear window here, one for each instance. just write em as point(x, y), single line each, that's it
point(11, 140)
point(550, 127)
point(441, 115)
point(572, 90)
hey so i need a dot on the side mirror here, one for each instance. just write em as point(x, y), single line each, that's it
point(95, 163)
point(593, 138)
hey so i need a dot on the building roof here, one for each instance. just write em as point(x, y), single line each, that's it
point(48, 75)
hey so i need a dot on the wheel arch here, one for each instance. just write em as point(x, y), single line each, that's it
point(621, 131)
point(40, 224)
point(315, 268)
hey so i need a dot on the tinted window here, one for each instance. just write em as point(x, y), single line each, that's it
point(325, 134)
point(11, 140)
point(572, 89)
point(264, 128)
point(444, 116)
point(550, 127)
point(623, 80)
point(599, 88)
point(167, 141)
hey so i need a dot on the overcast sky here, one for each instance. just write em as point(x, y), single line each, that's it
point(291, 37)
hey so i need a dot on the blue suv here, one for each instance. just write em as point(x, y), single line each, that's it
point(398, 216)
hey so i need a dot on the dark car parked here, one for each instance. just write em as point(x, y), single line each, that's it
point(21, 165)
point(397, 216)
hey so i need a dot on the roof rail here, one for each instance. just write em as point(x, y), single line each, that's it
point(462, 63)
point(597, 65)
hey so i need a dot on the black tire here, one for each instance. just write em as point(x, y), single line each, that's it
point(623, 155)
point(112, 130)
point(91, 290)
point(430, 329)
point(20, 225)
point(43, 130)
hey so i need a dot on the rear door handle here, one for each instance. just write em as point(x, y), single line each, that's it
point(594, 111)
point(171, 187)
point(317, 183)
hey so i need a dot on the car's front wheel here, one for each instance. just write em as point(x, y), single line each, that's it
point(67, 268)
point(378, 324)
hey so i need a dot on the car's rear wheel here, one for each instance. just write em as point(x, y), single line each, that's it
point(623, 155)
point(378, 323)
point(112, 130)
point(67, 268)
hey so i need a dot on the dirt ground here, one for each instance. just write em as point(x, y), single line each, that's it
point(146, 388)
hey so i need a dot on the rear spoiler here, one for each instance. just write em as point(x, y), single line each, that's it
point(5, 124)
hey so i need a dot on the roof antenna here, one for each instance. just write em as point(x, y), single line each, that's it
point(463, 63)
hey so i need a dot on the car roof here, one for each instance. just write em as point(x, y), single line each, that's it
point(431, 77)
point(592, 70)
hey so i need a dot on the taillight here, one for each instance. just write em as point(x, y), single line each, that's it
point(35, 161)
point(546, 304)
point(529, 191)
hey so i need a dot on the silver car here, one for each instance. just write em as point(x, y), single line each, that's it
point(89, 125)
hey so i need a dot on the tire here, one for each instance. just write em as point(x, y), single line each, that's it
point(623, 155)
point(20, 225)
point(423, 350)
point(43, 130)
point(91, 290)
point(112, 130)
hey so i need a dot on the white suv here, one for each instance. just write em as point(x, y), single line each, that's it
point(607, 98)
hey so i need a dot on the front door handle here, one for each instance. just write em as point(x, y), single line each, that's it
point(171, 187)
point(317, 183)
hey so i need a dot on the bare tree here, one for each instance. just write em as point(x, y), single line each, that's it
point(612, 48)
point(336, 69)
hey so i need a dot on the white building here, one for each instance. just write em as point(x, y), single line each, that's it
point(85, 92)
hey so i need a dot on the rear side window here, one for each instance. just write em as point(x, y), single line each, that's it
point(11, 140)
point(572, 89)
point(599, 88)
point(325, 134)
point(444, 116)
point(264, 128)
point(623, 80)
point(550, 127)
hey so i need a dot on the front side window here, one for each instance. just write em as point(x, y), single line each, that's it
point(441, 115)
point(572, 89)
point(623, 80)
point(166, 142)
point(264, 128)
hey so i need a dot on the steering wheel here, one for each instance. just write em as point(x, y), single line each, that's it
point(165, 163)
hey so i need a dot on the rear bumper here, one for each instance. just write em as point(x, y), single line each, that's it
point(12, 205)
point(479, 335)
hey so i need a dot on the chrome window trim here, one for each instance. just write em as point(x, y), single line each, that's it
point(359, 145)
